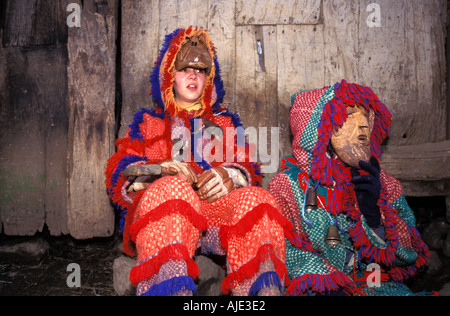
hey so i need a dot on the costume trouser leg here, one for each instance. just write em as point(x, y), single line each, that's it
point(168, 226)
point(254, 241)
point(167, 229)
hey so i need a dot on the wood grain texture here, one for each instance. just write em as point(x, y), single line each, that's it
point(287, 12)
point(91, 73)
point(424, 162)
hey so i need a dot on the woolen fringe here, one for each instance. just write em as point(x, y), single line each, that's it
point(251, 219)
point(267, 279)
point(251, 268)
point(320, 283)
point(172, 286)
point(175, 252)
point(165, 209)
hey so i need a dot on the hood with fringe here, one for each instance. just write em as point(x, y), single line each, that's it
point(313, 117)
point(315, 114)
point(163, 75)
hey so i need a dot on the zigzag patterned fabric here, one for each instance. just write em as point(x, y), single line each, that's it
point(315, 267)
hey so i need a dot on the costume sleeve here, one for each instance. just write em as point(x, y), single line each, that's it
point(309, 273)
point(281, 190)
point(143, 143)
point(237, 152)
point(412, 253)
point(402, 248)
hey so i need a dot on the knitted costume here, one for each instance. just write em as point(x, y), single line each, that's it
point(314, 266)
point(166, 223)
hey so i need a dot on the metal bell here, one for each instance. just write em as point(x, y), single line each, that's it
point(311, 199)
point(333, 238)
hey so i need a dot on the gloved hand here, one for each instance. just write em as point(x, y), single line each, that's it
point(367, 190)
point(214, 184)
point(179, 169)
point(140, 183)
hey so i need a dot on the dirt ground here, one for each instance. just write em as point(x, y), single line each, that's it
point(47, 275)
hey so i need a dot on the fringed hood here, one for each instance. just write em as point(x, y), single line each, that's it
point(315, 114)
point(163, 74)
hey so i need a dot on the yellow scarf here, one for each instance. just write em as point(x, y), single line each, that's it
point(197, 106)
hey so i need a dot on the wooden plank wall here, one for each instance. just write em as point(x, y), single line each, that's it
point(57, 118)
point(34, 118)
point(92, 86)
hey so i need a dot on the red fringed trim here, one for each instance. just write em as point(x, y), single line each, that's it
point(300, 242)
point(115, 193)
point(361, 241)
point(165, 209)
point(384, 277)
point(251, 219)
point(369, 251)
point(400, 274)
point(321, 283)
point(248, 270)
point(175, 252)
point(420, 247)
point(128, 244)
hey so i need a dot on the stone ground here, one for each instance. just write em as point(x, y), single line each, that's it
point(37, 266)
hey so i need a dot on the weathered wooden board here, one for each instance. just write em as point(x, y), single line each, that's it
point(267, 12)
point(35, 23)
point(54, 126)
point(426, 188)
point(256, 84)
point(21, 153)
point(34, 119)
point(33, 142)
point(256, 88)
point(300, 67)
point(341, 52)
point(4, 100)
point(139, 50)
point(91, 73)
point(221, 25)
point(403, 61)
point(424, 162)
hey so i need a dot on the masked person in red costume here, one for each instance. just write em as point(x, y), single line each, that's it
point(206, 197)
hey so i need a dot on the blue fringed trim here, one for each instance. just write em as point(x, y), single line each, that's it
point(257, 168)
point(172, 286)
point(135, 131)
point(198, 157)
point(218, 82)
point(154, 77)
point(123, 214)
point(235, 119)
point(266, 279)
point(218, 110)
point(122, 165)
